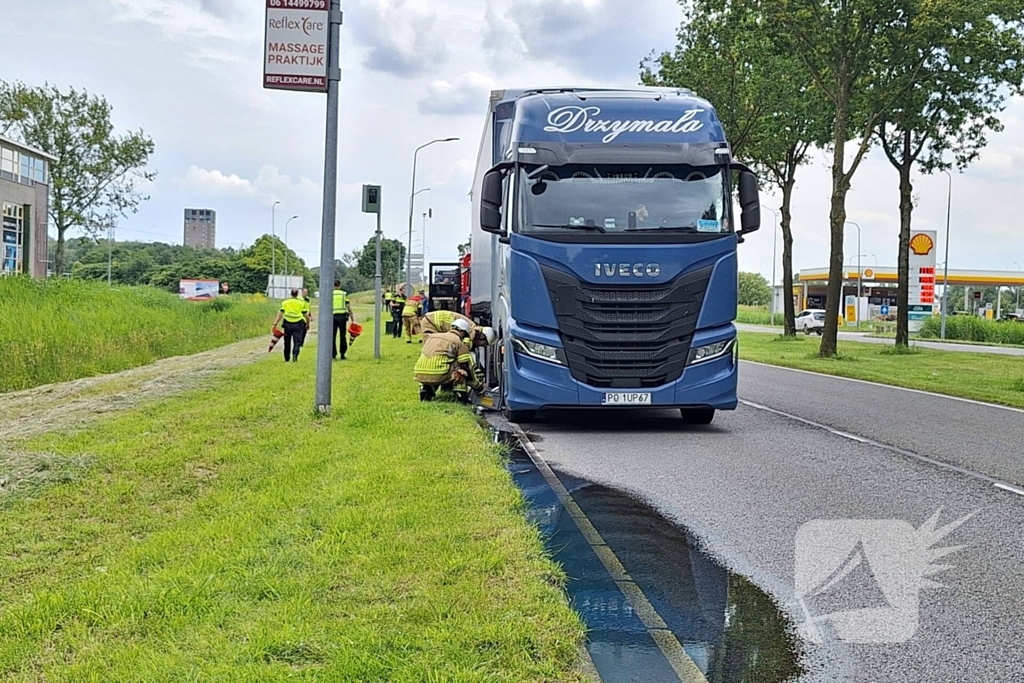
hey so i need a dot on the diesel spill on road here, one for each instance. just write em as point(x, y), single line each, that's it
point(730, 629)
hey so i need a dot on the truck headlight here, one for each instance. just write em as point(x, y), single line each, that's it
point(702, 354)
point(551, 354)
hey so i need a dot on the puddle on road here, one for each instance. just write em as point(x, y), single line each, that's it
point(729, 628)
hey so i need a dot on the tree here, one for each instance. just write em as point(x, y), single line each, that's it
point(864, 55)
point(768, 108)
point(754, 290)
point(392, 257)
point(944, 120)
point(98, 175)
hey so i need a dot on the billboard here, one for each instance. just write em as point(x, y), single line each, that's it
point(295, 49)
point(198, 290)
point(922, 278)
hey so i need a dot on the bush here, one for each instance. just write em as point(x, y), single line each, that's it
point(974, 329)
point(758, 315)
point(59, 330)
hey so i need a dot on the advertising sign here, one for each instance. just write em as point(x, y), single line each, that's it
point(922, 278)
point(851, 310)
point(295, 51)
point(198, 290)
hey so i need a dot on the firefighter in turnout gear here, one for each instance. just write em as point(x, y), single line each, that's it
point(410, 317)
point(437, 322)
point(447, 362)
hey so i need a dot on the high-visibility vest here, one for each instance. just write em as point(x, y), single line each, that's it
point(412, 307)
point(340, 301)
point(294, 310)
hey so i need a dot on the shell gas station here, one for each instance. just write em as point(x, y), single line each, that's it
point(879, 288)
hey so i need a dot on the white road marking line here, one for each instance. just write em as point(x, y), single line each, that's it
point(889, 386)
point(683, 666)
point(893, 449)
point(1011, 489)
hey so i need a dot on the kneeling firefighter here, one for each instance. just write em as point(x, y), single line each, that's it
point(441, 321)
point(447, 362)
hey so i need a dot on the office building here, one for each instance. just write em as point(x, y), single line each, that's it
point(24, 203)
point(201, 228)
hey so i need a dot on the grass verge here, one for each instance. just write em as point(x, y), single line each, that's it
point(982, 377)
point(229, 535)
point(62, 330)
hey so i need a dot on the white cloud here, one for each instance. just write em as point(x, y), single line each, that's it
point(184, 18)
point(466, 95)
point(268, 186)
point(402, 37)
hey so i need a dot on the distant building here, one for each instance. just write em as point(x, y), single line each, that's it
point(24, 203)
point(201, 228)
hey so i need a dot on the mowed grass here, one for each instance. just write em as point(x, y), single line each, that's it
point(59, 330)
point(978, 376)
point(230, 535)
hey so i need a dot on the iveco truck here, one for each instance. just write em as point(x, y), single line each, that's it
point(604, 250)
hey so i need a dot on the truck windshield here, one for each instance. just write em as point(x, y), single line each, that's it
point(617, 199)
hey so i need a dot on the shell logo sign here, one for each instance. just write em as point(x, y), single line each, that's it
point(922, 244)
point(869, 274)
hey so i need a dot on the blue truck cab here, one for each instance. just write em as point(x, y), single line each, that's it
point(604, 250)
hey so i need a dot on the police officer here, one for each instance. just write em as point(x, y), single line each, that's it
point(295, 314)
point(447, 362)
point(342, 314)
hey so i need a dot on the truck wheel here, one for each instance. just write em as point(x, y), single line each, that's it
point(519, 416)
point(698, 416)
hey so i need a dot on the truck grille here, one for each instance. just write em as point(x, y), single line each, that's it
point(627, 336)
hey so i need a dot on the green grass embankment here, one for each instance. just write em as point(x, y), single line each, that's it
point(230, 535)
point(978, 376)
point(56, 331)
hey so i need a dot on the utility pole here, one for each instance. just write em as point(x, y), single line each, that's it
point(110, 255)
point(775, 239)
point(273, 249)
point(412, 206)
point(286, 271)
point(326, 313)
point(945, 277)
point(371, 204)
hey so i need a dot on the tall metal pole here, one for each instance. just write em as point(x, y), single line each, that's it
point(326, 313)
point(1018, 286)
point(859, 272)
point(378, 296)
point(273, 249)
point(775, 240)
point(945, 277)
point(424, 243)
point(412, 207)
point(110, 254)
point(286, 272)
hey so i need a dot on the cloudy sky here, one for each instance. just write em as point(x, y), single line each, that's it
point(189, 73)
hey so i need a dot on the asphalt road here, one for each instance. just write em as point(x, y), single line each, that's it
point(746, 484)
point(862, 338)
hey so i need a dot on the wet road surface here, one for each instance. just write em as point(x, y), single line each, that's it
point(729, 630)
point(745, 486)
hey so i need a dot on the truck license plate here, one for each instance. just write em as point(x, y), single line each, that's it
point(627, 399)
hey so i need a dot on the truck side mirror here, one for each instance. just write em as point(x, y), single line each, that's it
point(490, 198)
point(750, 203)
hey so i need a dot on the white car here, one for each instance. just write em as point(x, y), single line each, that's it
point(811, 320)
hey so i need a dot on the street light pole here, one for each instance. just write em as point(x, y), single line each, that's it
point(775, 239)
point(1018, 286)
point(286, 244)
point(273, 249)
point(859, 272)
point(412, 205)
point(945, 268)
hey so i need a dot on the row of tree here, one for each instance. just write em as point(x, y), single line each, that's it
point(925, 80)
point(164, 265)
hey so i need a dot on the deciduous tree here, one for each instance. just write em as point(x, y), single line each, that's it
point(99, 175)
point(942, 121)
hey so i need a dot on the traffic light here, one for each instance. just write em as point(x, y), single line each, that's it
point(371, 199)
